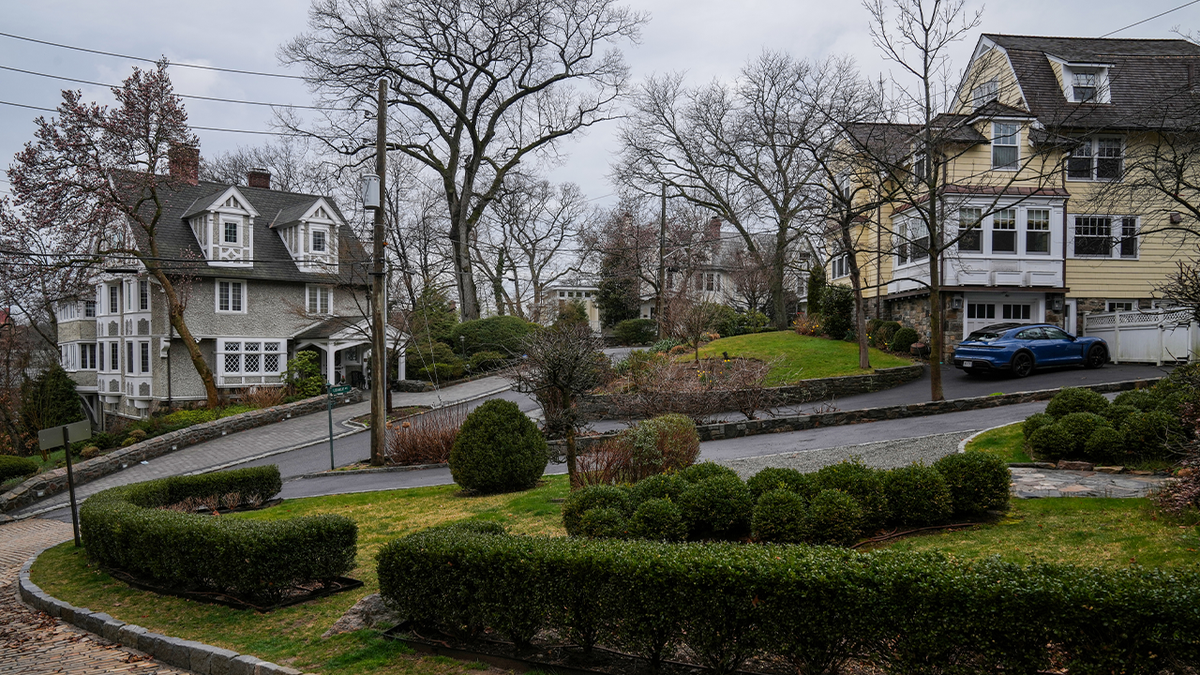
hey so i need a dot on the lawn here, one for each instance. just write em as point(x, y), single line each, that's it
point(1100, 532)
point(1007, 443)
point(800, 357)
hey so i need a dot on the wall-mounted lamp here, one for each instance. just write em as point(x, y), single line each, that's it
point(956, 302)
point(1176, 218)
point(1056, 304)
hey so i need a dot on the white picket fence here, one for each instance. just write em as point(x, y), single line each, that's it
point(1146, 336)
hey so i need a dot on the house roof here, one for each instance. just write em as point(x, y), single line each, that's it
point(272, 262)
point(1150, 81)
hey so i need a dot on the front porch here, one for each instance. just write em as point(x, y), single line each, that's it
point(345, 347)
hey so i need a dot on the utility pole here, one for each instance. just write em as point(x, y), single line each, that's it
point(660, 302)
point(379, 374)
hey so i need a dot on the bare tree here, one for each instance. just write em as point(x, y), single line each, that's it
point(522, 241)
point(481, 87)
point(731, 149)
point(291, 163)
point(562, 363)
point(93, 176)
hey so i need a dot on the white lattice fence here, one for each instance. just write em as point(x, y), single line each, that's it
point(1146, 336)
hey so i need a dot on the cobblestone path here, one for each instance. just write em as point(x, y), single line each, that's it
point(32, 643)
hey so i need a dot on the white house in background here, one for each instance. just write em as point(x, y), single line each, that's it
point(274, 273)
point(562, 294)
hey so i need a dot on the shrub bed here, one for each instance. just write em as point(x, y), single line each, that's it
point(127, 528)
point(814, 607)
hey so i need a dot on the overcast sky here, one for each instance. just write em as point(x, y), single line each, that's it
point(706, 38)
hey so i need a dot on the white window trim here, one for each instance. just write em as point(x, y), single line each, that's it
point(223, 349)
point(1116, 234)
point(1133, 304)
point(217, 296)
point(1016, 165)
point(1094, 145)
point(237, 232)
point(312, 235)
point(986, 229)
point(309, 290)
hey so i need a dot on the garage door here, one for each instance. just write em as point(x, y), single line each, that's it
point(983, 312)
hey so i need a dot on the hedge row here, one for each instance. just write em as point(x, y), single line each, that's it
point(815, 607)
point(126, 528)
point(835, 505)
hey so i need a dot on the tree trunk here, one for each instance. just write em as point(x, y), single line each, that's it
point(175, 313)
point(468, 301)
point(778, 296)
point(572, 472)
point(860, 307)
point(935, 329)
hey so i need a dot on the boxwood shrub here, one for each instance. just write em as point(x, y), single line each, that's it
point(978, 481)
point(781, 517)
point(917, 496)
point(659, 486)
point(125, 528)
point(588, 498)
point(498, 449)
point(1076, 400)
point(657, 519)
point(814, 607)
point(716, 507)
point(862, 483)
point(774, 478)
point(698, 472)
point(15, 467)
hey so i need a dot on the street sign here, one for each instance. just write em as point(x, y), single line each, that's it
point(339, 390)
point(52, 438)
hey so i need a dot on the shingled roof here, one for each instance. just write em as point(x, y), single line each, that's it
point(272, 262)
point(1151, 82)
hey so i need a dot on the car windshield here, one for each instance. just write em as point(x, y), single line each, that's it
point(985, 336)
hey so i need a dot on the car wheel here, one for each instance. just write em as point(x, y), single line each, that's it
point(1097, 356)
point(1022, 365)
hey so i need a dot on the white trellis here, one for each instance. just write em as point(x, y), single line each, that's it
point(1146, 336)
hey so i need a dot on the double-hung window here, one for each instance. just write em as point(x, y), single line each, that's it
point(231, 232)
point(87, 357)
point(114, 302)
point(144, 349)
point(970, 236)
point(1004, 231)
point(231, 296)
point(129, 357)
point(1105, 237)
point(320, 299)
point(143, 295)
point(1005, 149)
point(1083, 86)
point(1101, 158)
point(1037, 231)
point(114, 362)
point(318, 241)
point(840, 266)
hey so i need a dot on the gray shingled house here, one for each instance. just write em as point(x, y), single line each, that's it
point(266, 273)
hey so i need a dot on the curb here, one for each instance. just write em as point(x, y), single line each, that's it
point(185, 654)
point(962, 446)
point(379, 469)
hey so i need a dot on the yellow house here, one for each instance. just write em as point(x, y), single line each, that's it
point(1041, 173)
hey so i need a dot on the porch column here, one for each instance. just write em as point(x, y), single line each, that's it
point(329, 371)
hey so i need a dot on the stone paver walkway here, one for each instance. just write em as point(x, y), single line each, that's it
point(32, 643)
point(1030, 483)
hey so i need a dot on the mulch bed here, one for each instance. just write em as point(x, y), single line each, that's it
point(291, 596)
point(548, 654)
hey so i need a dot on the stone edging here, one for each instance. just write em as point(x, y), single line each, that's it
point(377, 469)
point(713, 432)
point(185, 654)
point(54, 482)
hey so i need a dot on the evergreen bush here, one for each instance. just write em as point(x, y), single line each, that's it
point(917, 495)
point(303, 373)
point(1079, 427)
point(1105, 445)
point(661, 486)
point(1074, 400)
point(1116, 414)
point(780, 517)
point(834, 517)
point(589, 498)
point(978, 482)
point(1050, 443)
point(498, 449)
point(503, 334)
point(717, 507)
point(49, 400)
point(634, 332)
point(902, 340)
point(481, 361)
point(773, 478)
point(603, 523)
point(863, 484)
point(1033, 423)
point(1147, 435)
point(16, 467)
point(657, 519)
point(837, 311)
point(698, 472)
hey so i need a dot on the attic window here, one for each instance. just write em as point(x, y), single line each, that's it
point(321, 213)
point(1083, 86)
point(988, 91)
point(232, 203)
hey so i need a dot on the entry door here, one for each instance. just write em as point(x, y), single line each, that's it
point(1069, 309)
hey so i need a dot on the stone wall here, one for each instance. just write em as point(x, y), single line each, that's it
point(55, 482)
point(600, 407)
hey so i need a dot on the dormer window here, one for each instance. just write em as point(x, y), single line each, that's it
point(1083, 86)
point(1005, 149)
point(988, 91)
point(231, 232)
point(318, 241)
point(1085, 82)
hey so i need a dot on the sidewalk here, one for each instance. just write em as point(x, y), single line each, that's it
point(34, 643)
point(263, 442)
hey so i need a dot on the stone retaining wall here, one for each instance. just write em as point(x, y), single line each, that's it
point(54, 482)
point(777, 425)
point(184, 654)
point(600, 407)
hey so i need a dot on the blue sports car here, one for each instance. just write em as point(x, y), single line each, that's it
point(1020, 347)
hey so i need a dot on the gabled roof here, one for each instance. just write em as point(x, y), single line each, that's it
point(1150, 81)
point(272, 260)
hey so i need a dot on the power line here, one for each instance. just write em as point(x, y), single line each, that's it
point(221, 129)
point(193, 96)
point(146, 60)
point(1138, 23)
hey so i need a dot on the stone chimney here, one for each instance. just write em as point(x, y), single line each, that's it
point(258, 178)
point(184, 163)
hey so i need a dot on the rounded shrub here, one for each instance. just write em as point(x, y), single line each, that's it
point(774, 478)
point(863, 484)
point(603, 523)
point(882, 336)
point(15, 467)
point(1079, 427)
point(660, 486)
point(1075, 400)
point(659, 520)
point(834, 517)
point(780, 517)
point(489, 360)
point(1142, 399)
point(1050, 443)
point(1034, 422)
point(498, 449)
point(698, 472)
point(1106, 444)
point(917, 496)
point(590, 498)
point(635, 332)
point(717, 507)
point(1147, 434)
point(1117, 414)
point(903, 339)
point(502, 334)
point(978, 482)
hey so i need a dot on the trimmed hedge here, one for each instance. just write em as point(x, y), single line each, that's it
point(15, 467)
point(917, 496)
point(978, 481)
point(811, 606)
point(636, 332)
point(126, 528)
point(504, 334)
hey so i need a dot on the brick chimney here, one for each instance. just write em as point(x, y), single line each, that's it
point(258, 178)
point(184, 163)
point(714, 229)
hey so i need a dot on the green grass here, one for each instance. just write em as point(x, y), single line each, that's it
point(800, 357)
point(1007, 443)
point(1083, 531)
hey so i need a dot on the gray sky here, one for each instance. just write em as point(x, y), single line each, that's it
point(706, 38)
